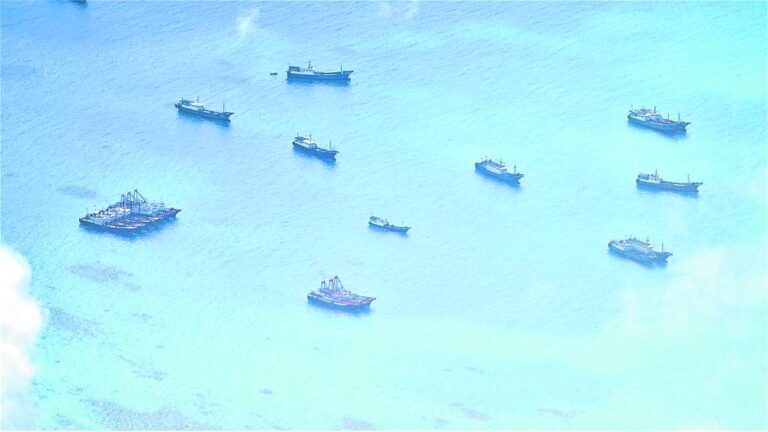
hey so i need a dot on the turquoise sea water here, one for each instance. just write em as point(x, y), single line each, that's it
point(501, 309)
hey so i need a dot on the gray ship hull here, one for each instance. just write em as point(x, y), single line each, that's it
point(670, 186)
point(511, 178)
point(335, 304)
point(671, 126)
point(213, 115)
point(645, 258)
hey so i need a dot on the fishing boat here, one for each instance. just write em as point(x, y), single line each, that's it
point(196, 108)
point(652, 119)
point(309, 146)
point(653, 181)
point(498, 170)
point(384, 224)
point(310, 74)
point(638, 250)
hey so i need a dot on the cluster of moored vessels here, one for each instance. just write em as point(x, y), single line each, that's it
point(134, 212)
point(294, 73)
point(332, 293)
point(131, 213)
point(631, 247)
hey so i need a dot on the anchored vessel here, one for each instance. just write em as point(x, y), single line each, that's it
point(307, 145)
point(652, 119)
point(332, 293)
point(132, 212)
point(638, 250)
point(498, 170)
point(653, 181)
point(378, 222)
point(195, 107)
point(309, 73)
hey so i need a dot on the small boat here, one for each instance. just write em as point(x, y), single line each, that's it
point(653, 181)
point(310, 74)
point(307, 145)
point(638, 250)
point(498, 170)
point(384, 224)
point(195, 107)
point(333, 294)
point(652, 119)
point(272, 73)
